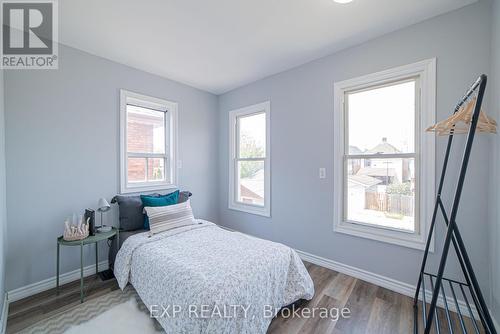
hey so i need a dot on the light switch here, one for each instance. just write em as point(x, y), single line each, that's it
point(322, 173)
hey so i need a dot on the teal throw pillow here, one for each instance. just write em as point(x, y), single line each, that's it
point(162, 200)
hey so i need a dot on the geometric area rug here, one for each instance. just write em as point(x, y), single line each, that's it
point(116, 312)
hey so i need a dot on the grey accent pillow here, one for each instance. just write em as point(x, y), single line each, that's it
point(131, 211)
point(184, 196)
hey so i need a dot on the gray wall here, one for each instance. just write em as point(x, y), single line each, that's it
point(494, 185)
point(302, 141)
point(62, 149)
point(3, 208)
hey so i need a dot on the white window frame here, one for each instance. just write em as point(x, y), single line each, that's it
point(424, 159)
point(170, 142)
point(264, 107)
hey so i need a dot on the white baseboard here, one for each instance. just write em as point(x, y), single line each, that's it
point(3, 315)
point(49, 283)
point(383, 281)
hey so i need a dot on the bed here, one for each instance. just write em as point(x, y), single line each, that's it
point(217, 280)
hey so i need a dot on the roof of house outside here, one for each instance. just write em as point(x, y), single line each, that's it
point(383, 148)
point(254, 185)
point(354, 150)
point(372, 171)
point(245, 192)
point(363, 180)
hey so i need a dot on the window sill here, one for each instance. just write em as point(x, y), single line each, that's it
point(156, 187)
point(254, 210)
point(400, 238)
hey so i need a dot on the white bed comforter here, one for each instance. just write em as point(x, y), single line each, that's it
point(204, 267)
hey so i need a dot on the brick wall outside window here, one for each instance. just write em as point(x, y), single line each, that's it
point(140, 140)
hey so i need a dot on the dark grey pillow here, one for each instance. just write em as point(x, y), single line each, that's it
point(131, 215)
point(184, 196)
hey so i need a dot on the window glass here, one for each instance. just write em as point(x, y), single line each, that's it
point(252, 136)
point(145, 130)
point(382, 120)
point(156, 169)
point(380, 191)
point(249, 164)
point(136, 169)
point(251, 182)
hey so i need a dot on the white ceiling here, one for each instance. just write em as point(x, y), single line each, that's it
point(218, 45)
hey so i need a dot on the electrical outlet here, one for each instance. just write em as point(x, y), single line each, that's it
point(322, 173)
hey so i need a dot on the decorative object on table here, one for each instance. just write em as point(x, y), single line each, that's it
point(467, 111)
point(104, 236)
point(77, 230)
point(103, 206)
point(90, 217)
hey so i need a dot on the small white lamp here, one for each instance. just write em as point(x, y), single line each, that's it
point(103, 206)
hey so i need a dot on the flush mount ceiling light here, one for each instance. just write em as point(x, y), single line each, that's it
point(342, 1)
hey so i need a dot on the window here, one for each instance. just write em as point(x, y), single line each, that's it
point(249, 163)
point(385, 160)
point(148, 142)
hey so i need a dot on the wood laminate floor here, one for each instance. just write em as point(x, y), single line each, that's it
point(372, 309)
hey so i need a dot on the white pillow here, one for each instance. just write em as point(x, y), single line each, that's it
point(164, 218)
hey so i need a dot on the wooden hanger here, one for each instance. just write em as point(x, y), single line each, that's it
point(459, 122)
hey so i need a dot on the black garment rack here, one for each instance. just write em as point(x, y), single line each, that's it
point(453, 236)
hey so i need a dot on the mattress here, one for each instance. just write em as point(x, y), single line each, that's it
point(241, 281)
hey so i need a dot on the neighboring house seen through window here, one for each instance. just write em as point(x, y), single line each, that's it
point(148, 128)
point(380, 155)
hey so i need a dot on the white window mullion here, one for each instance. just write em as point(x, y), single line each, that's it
point(381, 156)
point(146, 155)
point(251, 159)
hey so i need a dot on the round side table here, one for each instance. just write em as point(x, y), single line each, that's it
point(94, 239)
